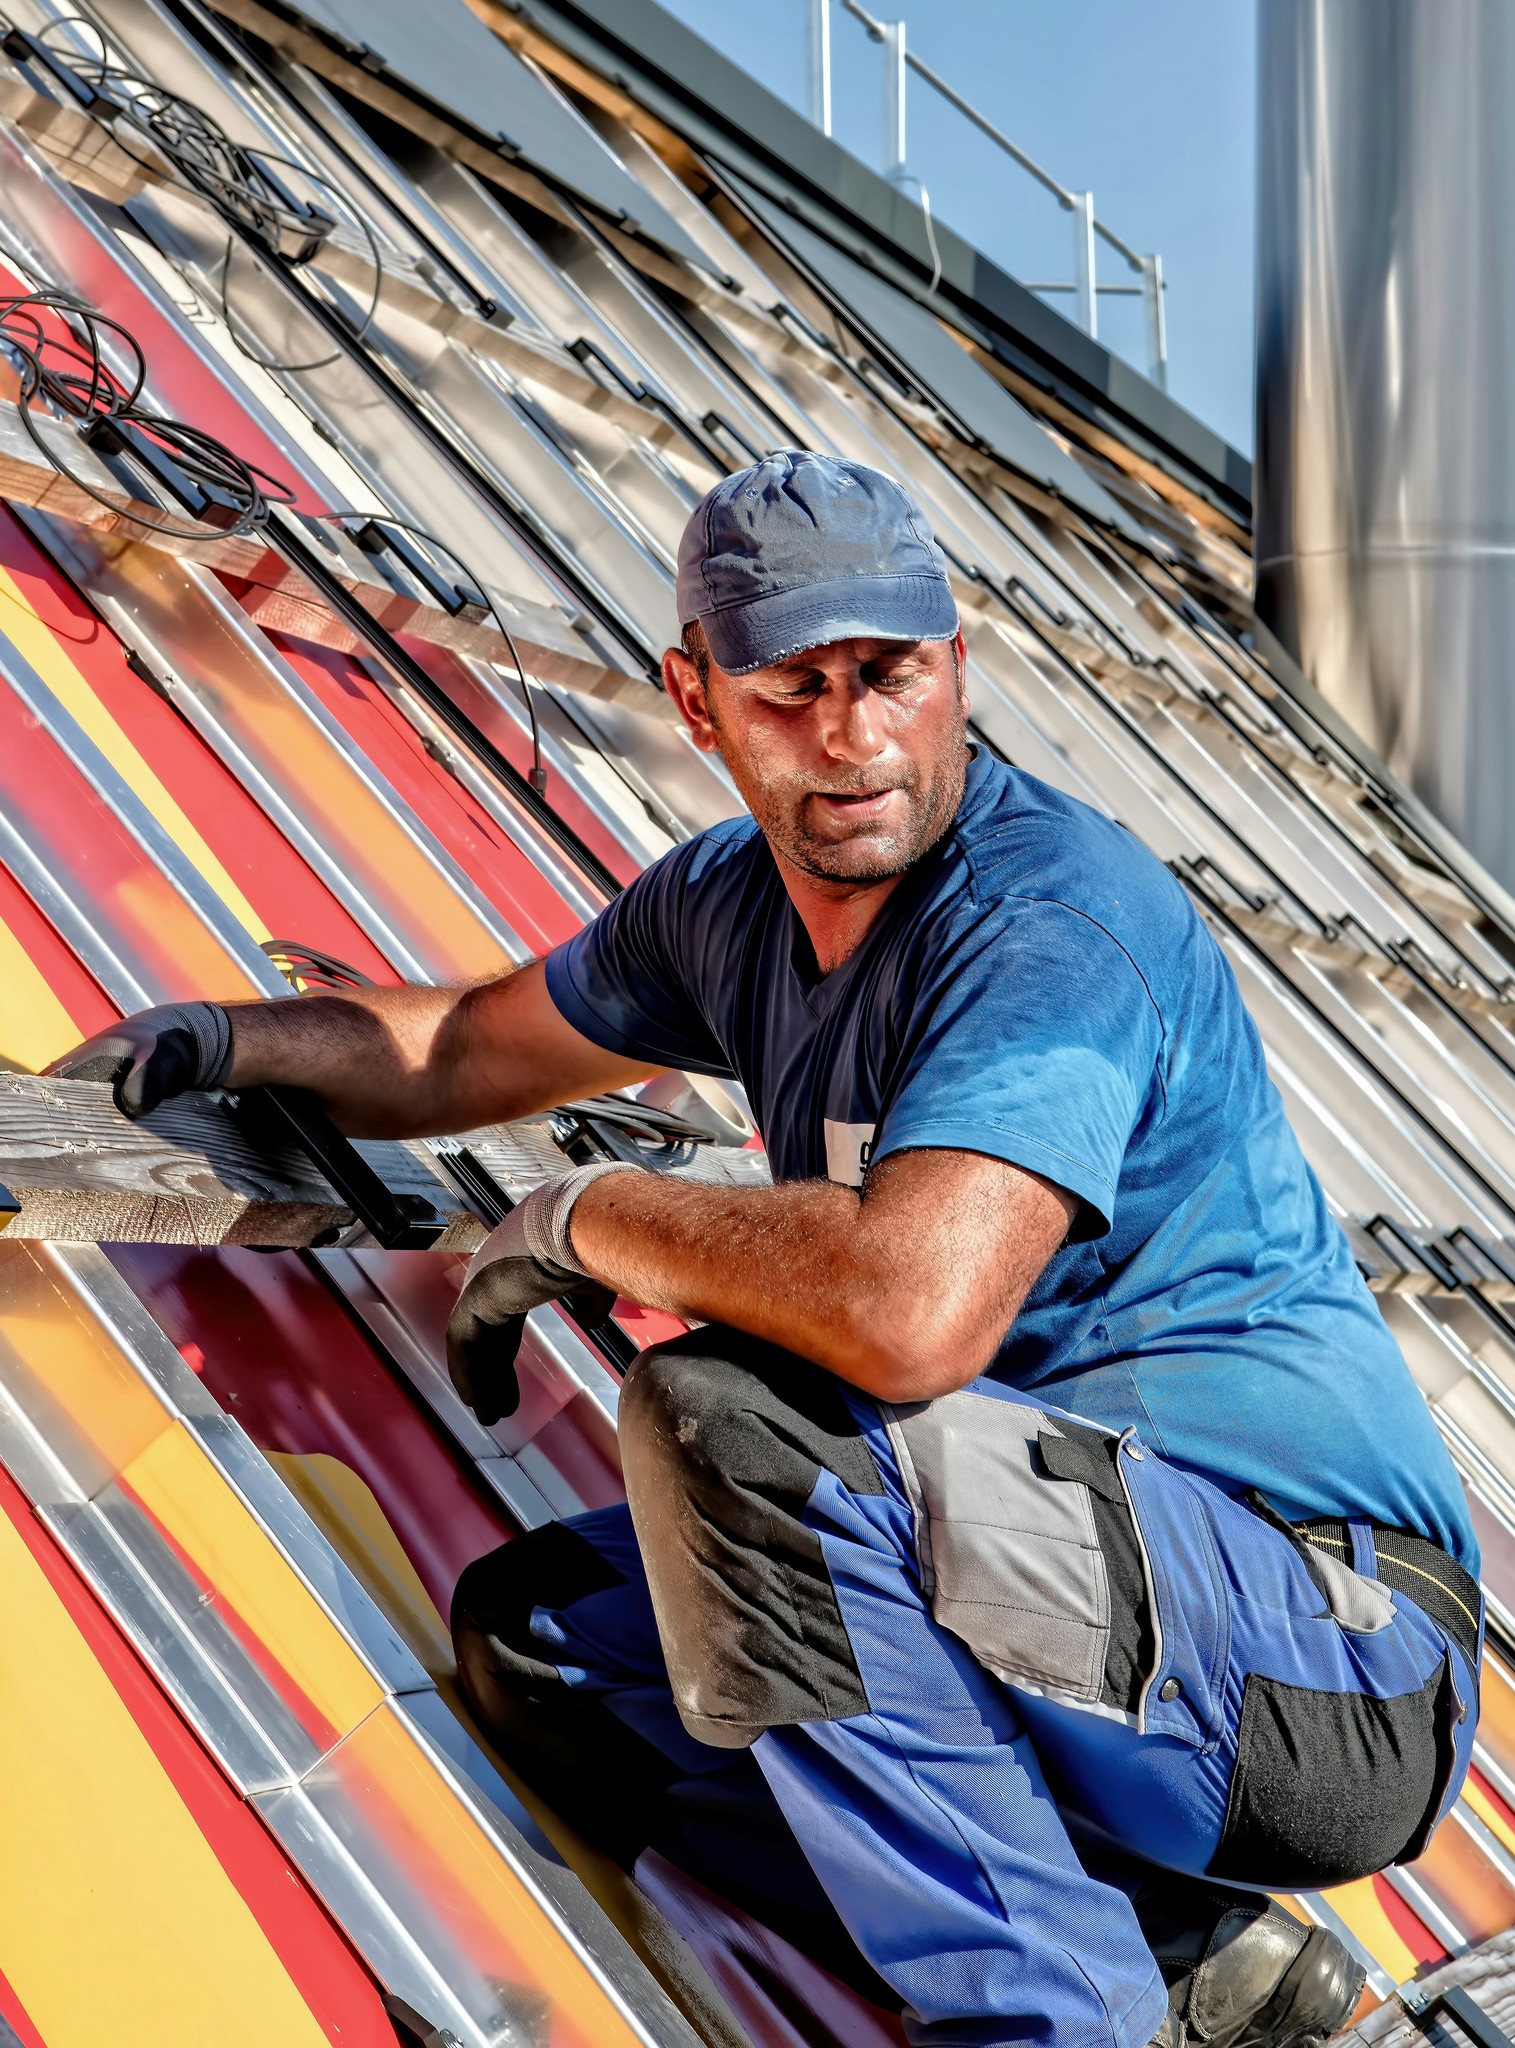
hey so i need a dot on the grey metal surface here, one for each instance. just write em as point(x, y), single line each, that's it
point(443, 52)
point(455, 1951)
point(1386, 385)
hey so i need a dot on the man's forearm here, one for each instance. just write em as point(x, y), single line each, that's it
point(887, 1292)
point(417, 1062)
point(744, 1256)
point(376, 1057)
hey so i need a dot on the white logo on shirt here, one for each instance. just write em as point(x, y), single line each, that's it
point(849, 1147)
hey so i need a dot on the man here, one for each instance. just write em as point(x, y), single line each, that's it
point(1039, 1529)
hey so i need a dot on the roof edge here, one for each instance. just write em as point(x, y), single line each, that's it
point(677, 75)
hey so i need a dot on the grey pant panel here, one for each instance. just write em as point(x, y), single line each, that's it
point(1011, 1557)
point(722, 1441)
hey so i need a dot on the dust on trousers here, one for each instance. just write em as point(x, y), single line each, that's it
point(980, 1661)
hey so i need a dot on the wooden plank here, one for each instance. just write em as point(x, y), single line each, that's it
point(83, 1173)
point(80, 1172)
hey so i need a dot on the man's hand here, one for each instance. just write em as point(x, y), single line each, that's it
point(525, 1262)
point(154, 1055)
point(906, 1290)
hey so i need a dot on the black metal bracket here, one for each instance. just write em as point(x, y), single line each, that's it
point(1425, 2008)
point(279, 1115)
point(285, 535)
point(1426, 1255)
point(413, 2029)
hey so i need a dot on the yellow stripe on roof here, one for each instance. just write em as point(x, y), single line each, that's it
point(1489, 1814)
point(1363, 1910)
point(34, 1026)
point(37, 644)
point(117, 1922)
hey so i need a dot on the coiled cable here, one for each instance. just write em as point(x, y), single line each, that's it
point(61, 361)
point(237, 179)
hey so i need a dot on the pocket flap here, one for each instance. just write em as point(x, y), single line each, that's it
point(1085, 1456)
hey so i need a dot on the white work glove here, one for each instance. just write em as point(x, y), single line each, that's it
point(154, 1055)
point(525, 1262)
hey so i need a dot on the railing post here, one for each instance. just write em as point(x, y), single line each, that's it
point(820, 64)
point(894, 99)
point(1157, 322)
point(1083, 262)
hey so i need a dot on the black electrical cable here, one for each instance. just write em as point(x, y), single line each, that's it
point(232, 176)
point(516, 516)
point(538, 768)
point(362, 326)
point(72, 375)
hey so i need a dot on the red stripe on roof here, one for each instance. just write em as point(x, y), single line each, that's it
point(480, 847)
point(15, 2015)
point(290, 898)
point(1408, 1925)
point(280, 1353)
point(76, 989)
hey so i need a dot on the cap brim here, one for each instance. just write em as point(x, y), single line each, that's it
point(745, 637)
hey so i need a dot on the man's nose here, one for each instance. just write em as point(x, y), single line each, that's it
point(849, 722)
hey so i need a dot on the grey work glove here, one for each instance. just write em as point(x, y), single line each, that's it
point(154, 1055)
point(525, 1262)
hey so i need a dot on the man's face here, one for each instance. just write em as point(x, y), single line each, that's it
point(851, 757)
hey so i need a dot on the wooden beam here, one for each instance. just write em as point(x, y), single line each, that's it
point(80, 1172)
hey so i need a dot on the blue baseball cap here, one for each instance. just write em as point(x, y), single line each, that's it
point(800, 550)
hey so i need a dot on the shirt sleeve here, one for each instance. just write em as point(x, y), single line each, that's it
point(1036, 1041)
point(623, 983)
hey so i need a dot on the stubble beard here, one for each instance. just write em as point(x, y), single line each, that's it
point(933, 804)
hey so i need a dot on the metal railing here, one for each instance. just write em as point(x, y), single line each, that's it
point(1085, 288)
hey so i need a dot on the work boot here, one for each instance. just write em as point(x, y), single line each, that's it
point(1241, 1972)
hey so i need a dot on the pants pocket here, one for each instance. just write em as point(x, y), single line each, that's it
point(1011, 1542)
point(1332, 1786)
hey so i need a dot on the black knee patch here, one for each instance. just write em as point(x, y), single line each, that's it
point(602, 1777)
point(722, 1441)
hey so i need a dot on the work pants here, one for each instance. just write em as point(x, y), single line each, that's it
point(973, 1657)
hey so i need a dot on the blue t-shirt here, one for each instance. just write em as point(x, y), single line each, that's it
point(1040, 988)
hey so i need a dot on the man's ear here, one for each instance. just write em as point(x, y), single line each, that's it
point(681, 679)
point(960, 655)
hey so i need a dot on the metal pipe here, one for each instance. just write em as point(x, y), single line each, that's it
point(1153, 287)
point(894, 100)
point(820, 64)
point(1386, 384)
point(1066, 199)
point(1083, 263)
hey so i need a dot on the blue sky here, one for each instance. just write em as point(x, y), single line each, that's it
point(1148, 102)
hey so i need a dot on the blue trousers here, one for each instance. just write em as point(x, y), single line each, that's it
point(972, 1832)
